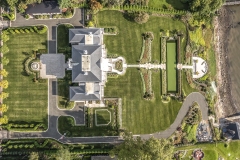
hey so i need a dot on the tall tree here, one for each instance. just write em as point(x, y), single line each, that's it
point(64, 3)
point(4, 84)
point(204, 7)
point(141, 17)
point(4, 73)
point(62, 154)
point(95, 6)
point(4, 120)
point(12, 3)
point(33, 156)
point(4, 37)
point(4, 60)
point(3, 108)
point(136, 148)
point(4, 49)
point(4, 95)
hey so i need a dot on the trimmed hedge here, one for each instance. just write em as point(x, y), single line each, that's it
point(146, 9)
point(18, 30)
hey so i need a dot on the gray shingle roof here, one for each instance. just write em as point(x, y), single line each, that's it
point(94, 75)
point(44, 7)
point(55, 64)
point(78, 35)
point(77, 93)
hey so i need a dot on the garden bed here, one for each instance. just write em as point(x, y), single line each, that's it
point(66, 124)
point(188, 130)
point(146, 48)
point(119, 65)
point(147, 83)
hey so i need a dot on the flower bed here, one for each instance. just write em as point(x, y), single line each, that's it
point(146, 49)
point(119, 65)
point(163, 50)
point(164, 82)
point(147, 83)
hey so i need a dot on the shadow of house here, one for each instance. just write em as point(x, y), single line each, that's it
point(45, 7)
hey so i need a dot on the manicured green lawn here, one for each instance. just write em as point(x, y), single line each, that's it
point(63, 91)
point(63, 84)
point(212, 66)
point(177, 4)
point(103, 116)
point(171, 66)
point(141, 116)
point(185, 86)
point(27, 101)
point(211, 150)
point(63, 35)
point(128, 42)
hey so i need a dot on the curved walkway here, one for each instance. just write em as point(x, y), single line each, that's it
point(190, 99)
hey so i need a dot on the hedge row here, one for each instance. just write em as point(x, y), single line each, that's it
point(163, 50)
point(24, 127)
point(146, 9)
point(179, 62)
point(111, 30)
point(89, 151)
point(143, 82)
point(32, 29)
point(164, 82)
point(112, 75)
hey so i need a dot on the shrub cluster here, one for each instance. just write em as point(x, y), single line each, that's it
point(111, 30)
point(42, 16)
point(25, 127)
point(67, 14)
point(112, 75)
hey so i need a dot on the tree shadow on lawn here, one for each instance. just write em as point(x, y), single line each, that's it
point(177, 4)
point(129, 16)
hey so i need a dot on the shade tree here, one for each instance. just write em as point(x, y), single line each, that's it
point(4, 84)
point(3, 108)
point(4, 95)
point(4, 73)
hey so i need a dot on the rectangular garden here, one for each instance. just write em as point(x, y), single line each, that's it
point(171, 66)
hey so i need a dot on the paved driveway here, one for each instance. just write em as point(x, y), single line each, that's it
point(76, 21)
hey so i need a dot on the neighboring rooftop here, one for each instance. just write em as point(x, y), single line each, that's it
point(45, 7)
point(232, 131)
point(52, 65)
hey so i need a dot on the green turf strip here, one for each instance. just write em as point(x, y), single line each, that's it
point(171, 66)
